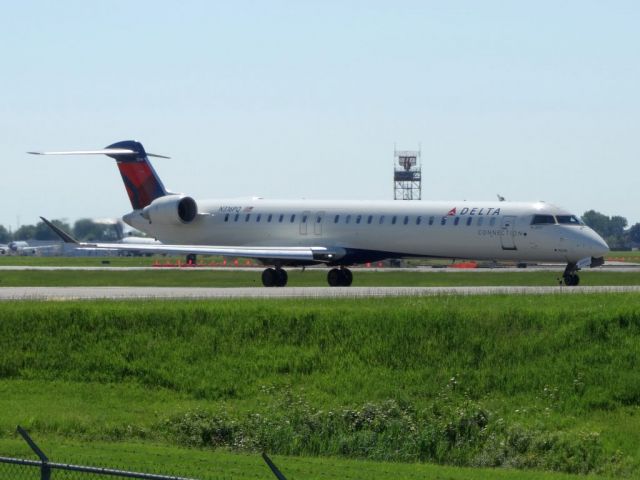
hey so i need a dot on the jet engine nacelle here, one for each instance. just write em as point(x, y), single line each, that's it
point(171, 210)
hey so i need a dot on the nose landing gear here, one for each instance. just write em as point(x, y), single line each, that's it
point(570, 276)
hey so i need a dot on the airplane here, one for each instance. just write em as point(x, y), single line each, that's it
point(339, 234)
point(129, 237)
point(20, 247)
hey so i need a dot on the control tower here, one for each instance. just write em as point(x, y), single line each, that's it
point(407, 175)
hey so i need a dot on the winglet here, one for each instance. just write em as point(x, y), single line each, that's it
point(66, 238)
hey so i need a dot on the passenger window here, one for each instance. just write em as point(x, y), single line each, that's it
point(480, 221)
point(381, 219)
point(318, 219)
point(431, 220)
point(393, 220)
point(348, 219)
point(293, 218)
point(456, 221)
point(258, 217)
point(469, 220)
point(304, 219)
point(280, 218)
point(370, 219)
point(358, 218)
point(443, 221)
point(269, 218)
point(406, 220)
point(543, 220)
point(226, 217)
point(418, 220)
point(235, 219)
point(492, 222)
point(336, 219)
point(246, 219)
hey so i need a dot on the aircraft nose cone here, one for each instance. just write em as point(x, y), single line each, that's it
point(597, 245)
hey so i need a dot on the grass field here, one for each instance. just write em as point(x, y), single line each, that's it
point(534, 383)
point(206, 464)
point(310, 277)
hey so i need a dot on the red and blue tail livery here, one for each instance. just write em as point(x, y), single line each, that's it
point(140, 179)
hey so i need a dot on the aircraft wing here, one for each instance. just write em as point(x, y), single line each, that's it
point(304, 254)
point(317, 254)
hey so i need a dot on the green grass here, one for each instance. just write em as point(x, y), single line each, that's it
point(36, 261)
point(624, 256)
point(218, 465)
point(310, 277)
point(537, 382)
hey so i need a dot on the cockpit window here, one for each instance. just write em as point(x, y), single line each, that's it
point(568, 220)
point(543, 219)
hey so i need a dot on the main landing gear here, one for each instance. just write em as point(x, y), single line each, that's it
point(339, 277)
point(570, 276)
point(274, 277)
point(277, 277)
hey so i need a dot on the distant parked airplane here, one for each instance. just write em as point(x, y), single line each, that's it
point(282, 233)
point(20, 247)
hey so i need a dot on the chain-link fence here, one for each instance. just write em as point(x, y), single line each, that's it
point(44, 469)
point(20, 469)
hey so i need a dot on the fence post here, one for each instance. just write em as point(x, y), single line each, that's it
point(45, 469)
point(279, 475)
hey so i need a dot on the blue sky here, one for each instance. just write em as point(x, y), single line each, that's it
point(535, 101)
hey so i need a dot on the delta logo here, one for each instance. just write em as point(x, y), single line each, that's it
point(475, 211)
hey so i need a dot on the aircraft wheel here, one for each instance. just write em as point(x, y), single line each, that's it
point(347, 277)
point(572, 280)
point(339, 277)
point(334, 277)
point(269, 277)
point(282, 277)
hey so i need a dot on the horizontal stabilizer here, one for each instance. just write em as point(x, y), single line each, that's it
point(142, 183)
point(104, 151)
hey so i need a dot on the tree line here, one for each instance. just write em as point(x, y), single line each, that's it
point(613, 229)
point(85, 229)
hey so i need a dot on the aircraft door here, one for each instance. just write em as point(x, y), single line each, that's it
point(507, 237)
point(304, 222)
point(318, 218)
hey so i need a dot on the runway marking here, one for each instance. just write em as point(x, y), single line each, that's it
point(113, 293)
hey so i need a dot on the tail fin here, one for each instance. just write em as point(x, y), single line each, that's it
point(140, 179)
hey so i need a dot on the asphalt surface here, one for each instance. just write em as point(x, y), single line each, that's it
point(110, 293)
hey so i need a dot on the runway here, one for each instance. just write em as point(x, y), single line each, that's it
point(193, 293)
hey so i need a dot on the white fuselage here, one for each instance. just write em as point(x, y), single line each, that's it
point(371, 230)
point(18, 247)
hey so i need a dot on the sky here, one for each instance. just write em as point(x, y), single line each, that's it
point(306, 99)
